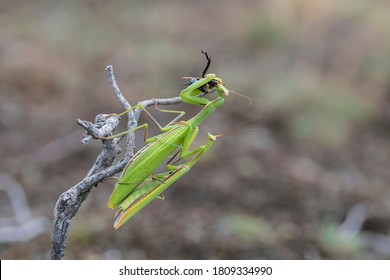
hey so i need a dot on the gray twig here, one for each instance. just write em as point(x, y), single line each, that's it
point(23, 226)
point(70, 201)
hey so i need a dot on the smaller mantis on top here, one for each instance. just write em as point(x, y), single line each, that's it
point(138, 185)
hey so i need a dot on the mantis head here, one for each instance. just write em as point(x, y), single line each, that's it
point(222, 90)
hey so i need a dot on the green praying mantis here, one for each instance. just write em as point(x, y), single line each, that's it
point(138, 185)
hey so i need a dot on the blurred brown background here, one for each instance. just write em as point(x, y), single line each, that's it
point(312, 179)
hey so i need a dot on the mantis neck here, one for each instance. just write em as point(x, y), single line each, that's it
point(207, 111)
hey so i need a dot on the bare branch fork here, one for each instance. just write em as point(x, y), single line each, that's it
point(70, 201)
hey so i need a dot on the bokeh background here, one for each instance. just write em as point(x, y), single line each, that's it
point(311, 179)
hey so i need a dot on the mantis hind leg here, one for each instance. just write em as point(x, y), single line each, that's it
point(145, 126)
point(162, 128)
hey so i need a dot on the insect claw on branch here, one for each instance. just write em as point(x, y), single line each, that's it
point(104, 125)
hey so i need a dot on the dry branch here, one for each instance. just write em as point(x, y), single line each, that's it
point(70, 201)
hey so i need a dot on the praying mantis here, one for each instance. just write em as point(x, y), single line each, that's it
point(134, 190)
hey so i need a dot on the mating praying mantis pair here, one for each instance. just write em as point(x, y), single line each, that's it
point(138, 185)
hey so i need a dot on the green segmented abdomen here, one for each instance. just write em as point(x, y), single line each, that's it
point(144, 163)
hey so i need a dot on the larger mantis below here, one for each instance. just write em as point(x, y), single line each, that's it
point(135, 189)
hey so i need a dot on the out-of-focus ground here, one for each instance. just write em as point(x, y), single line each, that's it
point(310, 181)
